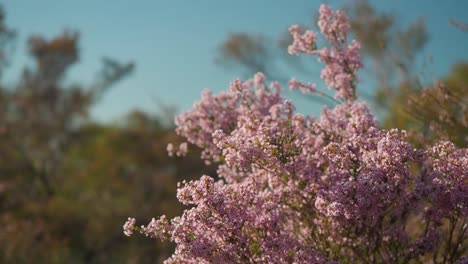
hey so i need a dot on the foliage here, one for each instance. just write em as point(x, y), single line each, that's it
point(64, 180)
point(99, 167)
point(434, 112)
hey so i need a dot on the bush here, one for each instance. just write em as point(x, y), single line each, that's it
point(295, 189)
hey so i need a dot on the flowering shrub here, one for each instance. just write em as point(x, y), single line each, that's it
point(295, 189)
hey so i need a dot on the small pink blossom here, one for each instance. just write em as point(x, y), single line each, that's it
point(129, 226)
point(183, 149)
point(305, 88)
point(170, 149)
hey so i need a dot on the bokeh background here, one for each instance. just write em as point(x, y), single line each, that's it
point(89, 90)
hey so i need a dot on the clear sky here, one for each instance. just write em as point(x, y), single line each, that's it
point(173, 42)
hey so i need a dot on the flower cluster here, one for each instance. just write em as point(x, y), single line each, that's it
point(342, 60)
point(305, 88)
point(181, 151)
point(295, 189)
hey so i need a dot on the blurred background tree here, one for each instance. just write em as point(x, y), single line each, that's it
point(67, 183)
point(433, 112)
point(400, 91)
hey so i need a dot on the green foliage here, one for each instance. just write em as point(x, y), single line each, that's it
point(109, 172)
point(67, 184)
point(435, 112)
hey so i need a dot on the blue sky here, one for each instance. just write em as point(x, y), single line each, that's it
point(173, 42)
